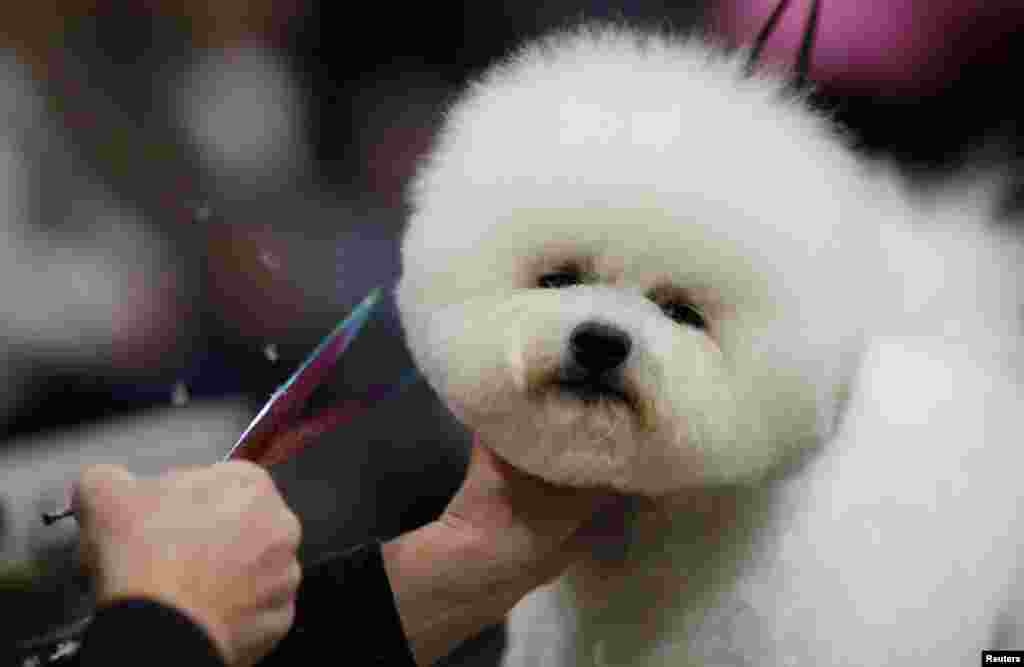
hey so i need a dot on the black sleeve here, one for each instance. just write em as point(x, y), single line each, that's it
point(145, 632)
point(346, 608)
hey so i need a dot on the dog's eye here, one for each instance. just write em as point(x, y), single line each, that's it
point(559, 279)
point(684, 313)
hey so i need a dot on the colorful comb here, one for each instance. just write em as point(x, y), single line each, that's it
point(288, 400)
point(272, 436)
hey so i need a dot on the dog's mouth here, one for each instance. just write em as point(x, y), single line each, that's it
point(609, 533)
point(592, 390)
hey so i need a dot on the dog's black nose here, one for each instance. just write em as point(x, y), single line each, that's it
point(597, 347)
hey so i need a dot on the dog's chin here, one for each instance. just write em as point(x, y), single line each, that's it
point(597, 419)
point(581, 434)
point(591, 435)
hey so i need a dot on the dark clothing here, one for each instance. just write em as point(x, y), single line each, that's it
point(345, 608)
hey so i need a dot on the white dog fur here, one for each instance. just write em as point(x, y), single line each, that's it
point(829, 473)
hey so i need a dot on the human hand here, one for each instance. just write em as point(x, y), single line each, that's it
point(218, 543)
point(536, 528)
point(503, 534)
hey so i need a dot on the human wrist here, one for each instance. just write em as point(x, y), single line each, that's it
point(448, 587)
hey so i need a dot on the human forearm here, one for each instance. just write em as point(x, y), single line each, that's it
point(448, 588)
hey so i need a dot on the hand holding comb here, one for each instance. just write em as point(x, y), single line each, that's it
point(273, 436)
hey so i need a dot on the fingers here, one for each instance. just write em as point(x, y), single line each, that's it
point(241, 473)
point(97, 497)
point(292, 528)
point(270, 626)
point(241, 470)
point(250, 489)
point(286, 586)
point(217, 540)
point(246, 471)
point(261, 484)
point(246, 475)
point(100, 489)
point(293, 577)
point(257, 478)
point(234, 482)
point(275, 580)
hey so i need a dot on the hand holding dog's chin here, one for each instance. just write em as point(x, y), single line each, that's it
point(527, 527)
point(504, 534)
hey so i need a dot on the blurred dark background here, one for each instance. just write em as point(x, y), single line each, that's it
point(194, 194)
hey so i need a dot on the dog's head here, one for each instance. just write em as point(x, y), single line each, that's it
point(629, 265)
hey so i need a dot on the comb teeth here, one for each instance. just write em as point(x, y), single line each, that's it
point(803, 63)
point(762, 36)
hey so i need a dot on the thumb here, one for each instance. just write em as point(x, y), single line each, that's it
point(99, 491)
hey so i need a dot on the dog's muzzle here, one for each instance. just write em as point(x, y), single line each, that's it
point(592, 369)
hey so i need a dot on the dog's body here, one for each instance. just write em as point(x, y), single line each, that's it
point(900, 545)
point(630, 266)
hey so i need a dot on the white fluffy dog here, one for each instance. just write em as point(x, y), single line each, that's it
point(630, 265)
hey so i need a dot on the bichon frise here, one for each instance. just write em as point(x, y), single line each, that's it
point(631, 265)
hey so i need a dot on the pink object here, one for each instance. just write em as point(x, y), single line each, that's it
point(898, 47)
